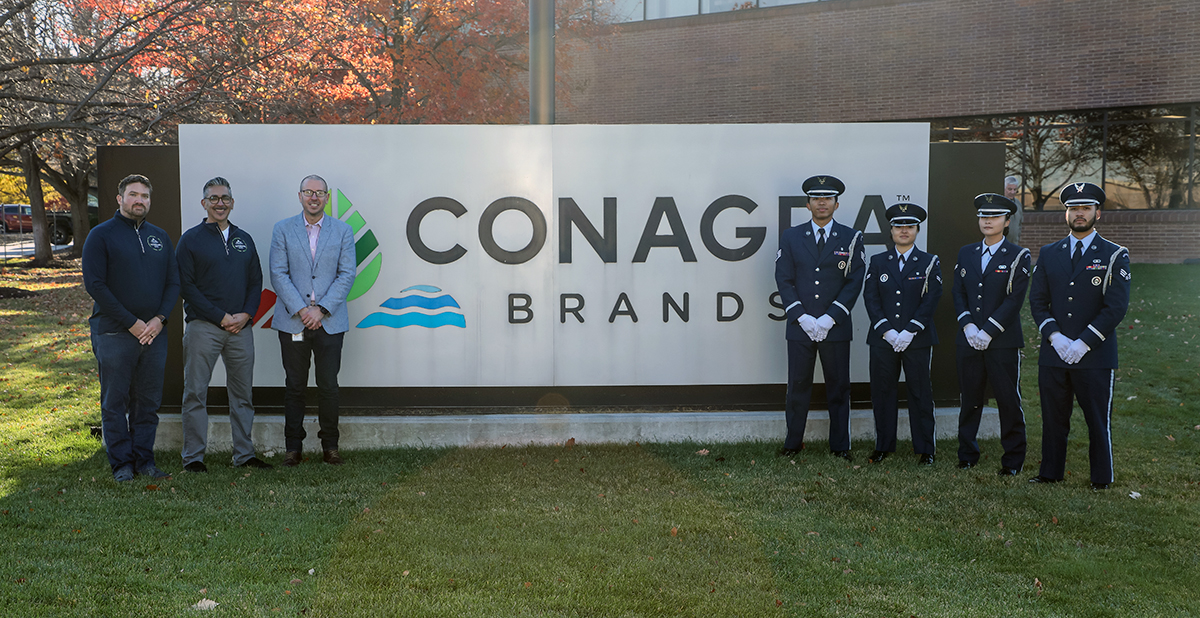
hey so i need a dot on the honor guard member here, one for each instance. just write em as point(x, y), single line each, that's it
point(990, 280)
point(819, 271)
point(901, 292)
point(1078, 295)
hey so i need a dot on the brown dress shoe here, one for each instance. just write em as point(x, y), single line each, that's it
point(291, 459)
point(333, 458)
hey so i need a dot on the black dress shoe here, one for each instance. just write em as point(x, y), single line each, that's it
point(255, 462)
point(963, 465)
point(1043, 479)
point(878, 456)
point(788, 452)
point(332, 457)
point(1099, 486)
point(843, 454)
point(196, 466)
point(925, 459)
point(1008, 471)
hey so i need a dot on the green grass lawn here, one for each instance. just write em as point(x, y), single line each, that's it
point(600, 530)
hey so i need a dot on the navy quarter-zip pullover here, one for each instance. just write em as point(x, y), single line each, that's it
point(129, 270)
point(218, 276)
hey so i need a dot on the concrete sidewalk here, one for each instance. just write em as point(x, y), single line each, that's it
point(375, 432)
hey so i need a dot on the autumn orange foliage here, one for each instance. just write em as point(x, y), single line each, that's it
point(347, 61)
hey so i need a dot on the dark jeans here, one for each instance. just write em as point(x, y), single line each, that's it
point(326, 349)
point(131, 386)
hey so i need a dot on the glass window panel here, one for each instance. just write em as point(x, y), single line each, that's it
point(620, 11)
point(720, 6)
point(1147, 163)
point(1059, 148)
point(659, 9)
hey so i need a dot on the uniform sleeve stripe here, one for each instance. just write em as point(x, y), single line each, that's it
point(919, 325)
point(1093, 329)
point(1045, 322)
point(842, 307)
point(789, 307)
point(993, 321)
point(879, 322)
point(963, 314)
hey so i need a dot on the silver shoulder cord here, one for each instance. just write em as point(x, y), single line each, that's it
point(928, 270)
point(1112, 260)
point(1012, 268)
point(850, 257)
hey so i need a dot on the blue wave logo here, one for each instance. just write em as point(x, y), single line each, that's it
point(419, 305)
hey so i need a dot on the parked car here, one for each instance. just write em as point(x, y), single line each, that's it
point(18, 219)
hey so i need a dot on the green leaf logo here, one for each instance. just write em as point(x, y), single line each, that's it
point(365, 245)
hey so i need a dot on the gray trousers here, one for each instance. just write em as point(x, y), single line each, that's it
point(203, 342)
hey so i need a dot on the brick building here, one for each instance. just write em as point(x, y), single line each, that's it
point(1098, 90)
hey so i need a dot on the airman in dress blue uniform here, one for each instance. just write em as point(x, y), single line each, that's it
point(1079, 293)
point(990, 281)
point(902, 289)
point(819, 271)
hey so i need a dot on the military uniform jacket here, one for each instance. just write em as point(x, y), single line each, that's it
point(992, 300)
point(1087, 302)
point(818, 284)
point(905, 300)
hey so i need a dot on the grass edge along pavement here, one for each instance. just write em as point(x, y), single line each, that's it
point(940, 543)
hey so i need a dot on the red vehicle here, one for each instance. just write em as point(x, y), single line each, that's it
point(17, 218)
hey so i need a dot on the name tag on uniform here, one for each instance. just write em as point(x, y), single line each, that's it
point(1097, 267)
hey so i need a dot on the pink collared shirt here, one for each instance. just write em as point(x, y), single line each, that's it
point(314, 231)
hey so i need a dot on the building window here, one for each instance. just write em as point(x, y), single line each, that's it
point(1144, 158)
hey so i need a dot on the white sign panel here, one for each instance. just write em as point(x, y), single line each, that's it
point(558, 255)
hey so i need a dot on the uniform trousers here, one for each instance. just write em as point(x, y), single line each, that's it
point(1092, 388)
point(1001, 368)
point(203, 343)
point(835, 365)
point(885, 376)
point(326, 350)
point(131, 386)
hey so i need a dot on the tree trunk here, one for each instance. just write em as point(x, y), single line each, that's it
point(81, 224)
point(33, 189)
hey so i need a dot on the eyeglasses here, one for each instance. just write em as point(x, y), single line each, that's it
point(219, 199)
point(311, 193)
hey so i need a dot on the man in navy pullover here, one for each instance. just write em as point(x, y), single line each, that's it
point(221, 279)
point(129, 270)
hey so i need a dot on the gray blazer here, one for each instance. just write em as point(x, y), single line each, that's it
point(294, 275)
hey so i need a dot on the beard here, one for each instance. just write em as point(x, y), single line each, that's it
point(1084, 226)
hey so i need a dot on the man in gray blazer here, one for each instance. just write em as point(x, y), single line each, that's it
point(312, 271)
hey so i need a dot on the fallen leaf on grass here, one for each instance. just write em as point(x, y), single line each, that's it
point(528, 584)
point(814, 533)
point(1054, 520)
point(152, 488)
point(311, 571)
point(1131, 398)
point(1037, 584)
point(1135, 495)
point(1171, 438)
point(847, 570)
point(204, 604)
point(675, 531)
point(404, 574)
point(570, 442)
point(702, 451)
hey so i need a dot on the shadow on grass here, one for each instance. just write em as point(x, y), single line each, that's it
point(79, 542)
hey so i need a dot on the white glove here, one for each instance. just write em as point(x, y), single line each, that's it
point(1061, 344)
point(982, 339)
point(1076, 351)
point(809, 325)
point(824, 323)
point(970, 330)
point(903, 340)
point(890, 337)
